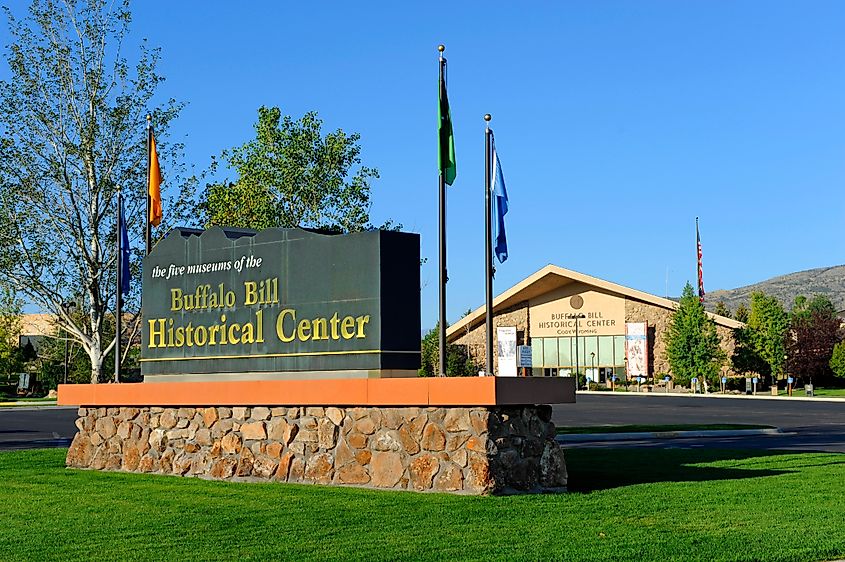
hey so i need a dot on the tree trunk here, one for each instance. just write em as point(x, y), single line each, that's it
point(96, 360)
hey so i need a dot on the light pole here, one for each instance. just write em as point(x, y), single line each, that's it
point(592, 367)
point(577, 365)
point(67, 307)
point(786, 368)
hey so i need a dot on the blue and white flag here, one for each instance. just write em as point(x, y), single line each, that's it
point(500, 208)
point(124, 251)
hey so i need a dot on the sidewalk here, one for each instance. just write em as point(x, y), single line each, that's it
point(761, 396)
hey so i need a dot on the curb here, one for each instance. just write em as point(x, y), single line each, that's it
point(713, 395)
point(593, 437)
point(17, 404)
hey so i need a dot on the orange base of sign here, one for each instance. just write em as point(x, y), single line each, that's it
point(437, 391)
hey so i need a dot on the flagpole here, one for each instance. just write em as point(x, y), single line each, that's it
point(443, 274)
point(698, 263)
point(118, 328)
point(488, 243)
point(147, 227)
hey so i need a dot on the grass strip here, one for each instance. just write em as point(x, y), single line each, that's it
point(628, 504)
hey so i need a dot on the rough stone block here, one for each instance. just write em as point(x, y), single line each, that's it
point(387, 440)
point(449, 479)
point(386, 469)
point(353, 474)
point(105, 427)
point(433, 439)
point(409, 444)
point(254, 430)
point(326, 433)
point(422, 471)
point(457, 419)
point(320, 468)
point(260, 413)
point(230, 444)
point(168, 419)
point(335, 415)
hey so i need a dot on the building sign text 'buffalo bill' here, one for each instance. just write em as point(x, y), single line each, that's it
point(281, 301)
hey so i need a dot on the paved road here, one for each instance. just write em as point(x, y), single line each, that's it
point(807, 425)
point(24, 427)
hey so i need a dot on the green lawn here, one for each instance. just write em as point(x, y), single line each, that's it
point(628, 505)
point(833, 392)
point(636, 428)
point(18, 399)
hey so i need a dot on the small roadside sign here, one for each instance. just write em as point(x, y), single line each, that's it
point(724, 380)
point(524, 356)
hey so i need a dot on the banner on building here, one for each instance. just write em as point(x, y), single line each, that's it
point(506, 350)
point(636, 349)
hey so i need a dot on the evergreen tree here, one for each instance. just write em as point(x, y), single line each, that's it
point(722, 309)
point(741, 313)
point(692, 346)
point(458, 361)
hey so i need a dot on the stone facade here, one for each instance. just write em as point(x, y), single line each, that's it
point(475, 339)
point(472, 450)
point(659, 320)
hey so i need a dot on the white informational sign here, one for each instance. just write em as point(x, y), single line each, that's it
point(506, 350)
point(636, 349)
point(524, 352)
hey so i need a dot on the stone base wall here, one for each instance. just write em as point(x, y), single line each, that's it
point(474, 450)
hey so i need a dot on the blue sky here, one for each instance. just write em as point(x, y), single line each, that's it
point(617, 123)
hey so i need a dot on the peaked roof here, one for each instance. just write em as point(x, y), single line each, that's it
point(553, 277)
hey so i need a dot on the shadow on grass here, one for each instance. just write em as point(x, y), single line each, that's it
point(603, 469)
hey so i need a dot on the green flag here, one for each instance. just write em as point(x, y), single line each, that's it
point(446, 154)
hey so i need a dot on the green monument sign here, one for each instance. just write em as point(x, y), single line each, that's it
point(281, 303)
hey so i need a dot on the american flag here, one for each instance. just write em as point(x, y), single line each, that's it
point(700, 272)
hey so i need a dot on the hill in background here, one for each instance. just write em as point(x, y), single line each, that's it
point(829, 281)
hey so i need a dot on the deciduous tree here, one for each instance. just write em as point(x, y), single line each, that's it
point(292, 175)
point(837, 360)
point(72, 121)
point(766, 328)
point(813, 333)
point(10, 329)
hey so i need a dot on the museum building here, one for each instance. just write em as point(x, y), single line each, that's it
point(550, 306)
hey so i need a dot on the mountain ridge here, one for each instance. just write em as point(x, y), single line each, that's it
point(828, 281)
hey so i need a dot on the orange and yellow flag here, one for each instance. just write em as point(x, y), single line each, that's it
point(154, 184)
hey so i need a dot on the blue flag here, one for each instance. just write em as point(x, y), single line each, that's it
point(500, 208)
point(124, 251)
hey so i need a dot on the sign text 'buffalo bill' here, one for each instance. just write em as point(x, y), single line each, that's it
point(280, 302)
